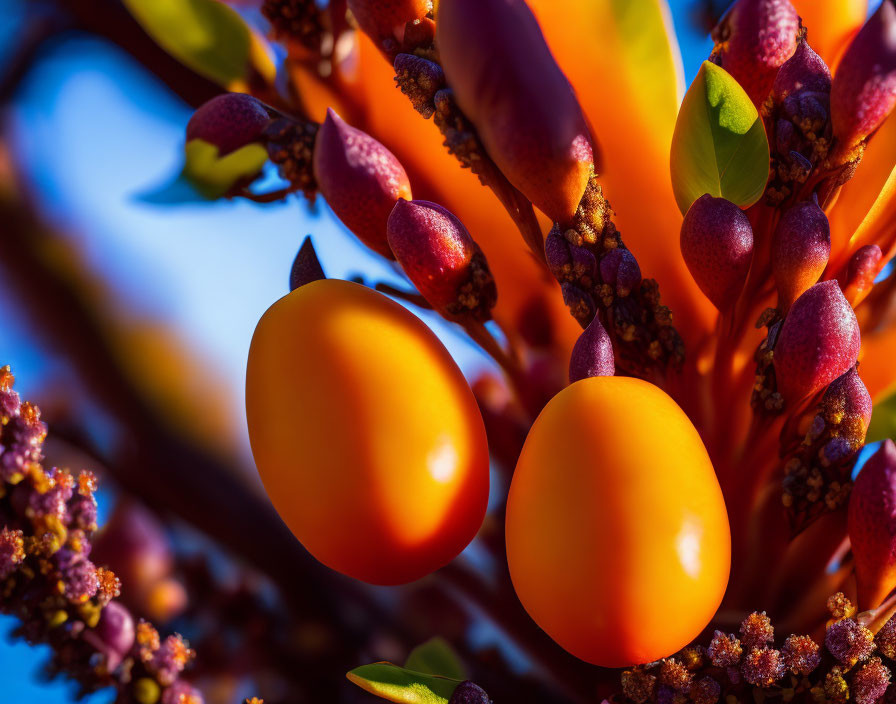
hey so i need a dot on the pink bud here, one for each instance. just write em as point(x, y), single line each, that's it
point(801, 246)
point(592, 355)
point(864, 90)
point(507, 83)
point(754, 39)
point(847, 402)
point(113, 635)
point(441, 259)
point(228, 121)
point(360, 179)
point(717, 246)
point(384, 20)
point(819, 341)
point(861, 271)
point(872, 526)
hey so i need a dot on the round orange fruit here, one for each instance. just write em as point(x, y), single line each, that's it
point(617, 536)
point(365, 433)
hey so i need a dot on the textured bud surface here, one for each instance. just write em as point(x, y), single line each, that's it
point(592, 355)
point(360, 179)
point(717, 246)
point(800, 250)
point(228, 121)
point(819, 341)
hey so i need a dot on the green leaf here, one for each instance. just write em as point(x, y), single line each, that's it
point(719, 145)
point(436, 657)
point(206, 35)
point(883, 420)
point(397, 684)
point(213, 176)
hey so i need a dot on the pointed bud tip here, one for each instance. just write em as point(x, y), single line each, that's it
point(360, 179)
point(305, 267)
point(592, 355)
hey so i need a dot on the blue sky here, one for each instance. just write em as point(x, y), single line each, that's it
point(97, 133)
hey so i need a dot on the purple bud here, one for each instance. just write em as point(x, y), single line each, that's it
point(507, 83)
point(469, 693)
point(872, 526)
point(441, 259)
point(305, 267)
point(819, 341)
point(620, 269)
point(592, 355)
point(801, 246)
point(864, 89)
point(847, 399)
point(228, 121)
point(558, 255)
point(754, 39)
point(717, 246)
point(113, 636)
point(805, 71)
point(360, 179)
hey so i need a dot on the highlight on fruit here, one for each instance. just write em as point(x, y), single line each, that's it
point(567, 377)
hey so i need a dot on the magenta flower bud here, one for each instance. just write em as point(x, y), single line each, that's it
point(872, 526)
point(360, 179)
point(469, 693)
point(507, 83)
point(592, 355)
point(847, 402)
point(864, 89)
point(113, 636)
point(228, 121)
point(384, 20)
point(753, 41)
point(558, 255)
point(441, 259)
point(819, 341)
point(620, 269)
point(861, 271)
point(803, 72)
point(801, 246)
point(717, 246)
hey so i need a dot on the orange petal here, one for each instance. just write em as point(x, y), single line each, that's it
point(876, 362)
point(623, 62)
point(831, 24)
point(859, 215)
point(379, 108)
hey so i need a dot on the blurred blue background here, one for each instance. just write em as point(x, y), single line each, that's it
point(95, 132)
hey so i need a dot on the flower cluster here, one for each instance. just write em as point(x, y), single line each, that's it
point(849, 664)
point(48, 517)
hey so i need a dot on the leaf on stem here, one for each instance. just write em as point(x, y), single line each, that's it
point(397, 684)
point(436, 657)
point(719, 146)
point(212, 175)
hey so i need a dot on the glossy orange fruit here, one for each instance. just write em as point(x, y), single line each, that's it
point(617, 535)
point(366, 435)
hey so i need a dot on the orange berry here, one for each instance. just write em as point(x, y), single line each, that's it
point(365, 433)
point(617, 535)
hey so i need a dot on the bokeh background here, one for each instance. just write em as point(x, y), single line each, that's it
point(99, 139)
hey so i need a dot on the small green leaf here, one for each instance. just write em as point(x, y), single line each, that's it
point(206, 35)
point(883, 420)
point(719, 145)
point(213, 176)
point(436, 657)
point(397, 684)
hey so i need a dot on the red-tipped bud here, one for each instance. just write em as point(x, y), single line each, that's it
point(507, 83)
point(819, 341)
point(847, 404)
point(754, 39)
point(863, 268)
point(360, 179)
point(592, 355)
point(384, 20)
point(441, 259)
point(864, 89)
point(803, 72)
point(801, 246)
point(717, 246)
point(872, 526)
point(228, 121)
